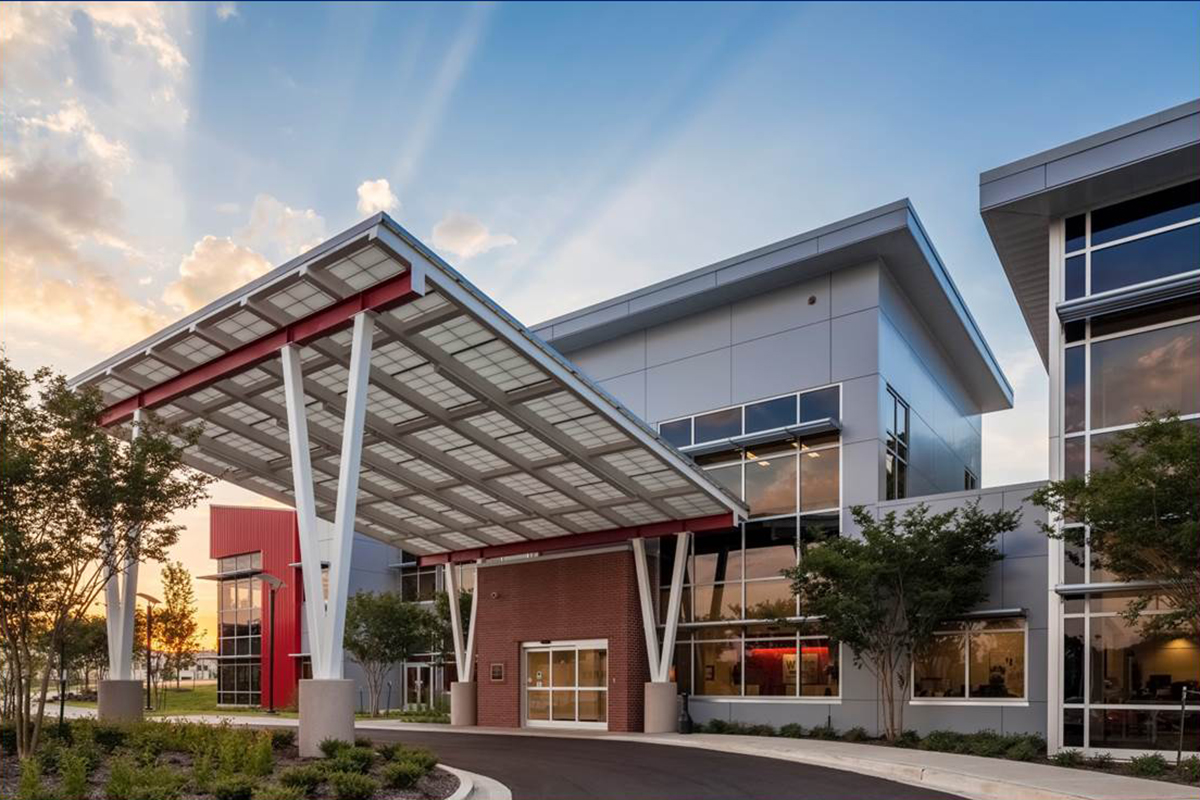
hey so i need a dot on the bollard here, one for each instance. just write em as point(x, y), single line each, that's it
point(685, 718)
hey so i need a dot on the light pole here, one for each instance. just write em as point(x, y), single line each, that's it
point(273, 584)
point(151, 602)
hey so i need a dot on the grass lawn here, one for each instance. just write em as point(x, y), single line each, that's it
point(203, 700)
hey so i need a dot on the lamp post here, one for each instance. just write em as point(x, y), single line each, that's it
point(151, 602)
point(273, 584)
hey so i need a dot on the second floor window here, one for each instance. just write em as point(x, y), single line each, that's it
point(895, 461)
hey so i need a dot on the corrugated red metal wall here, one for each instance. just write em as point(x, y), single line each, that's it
point(273, 532)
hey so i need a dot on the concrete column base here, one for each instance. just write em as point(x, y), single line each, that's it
point(462, 703)
point(121, 701)
point(326, 712)
point(661, 708)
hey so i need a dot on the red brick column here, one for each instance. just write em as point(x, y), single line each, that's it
point(576, 597)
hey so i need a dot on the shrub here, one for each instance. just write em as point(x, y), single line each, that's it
point(353, 759)
point(202, 772)
point(232, 754)
point(760, 730)
point(1189, 769)
point(275, 791)
point(989, 744)
point(47, 756)
point(234, 787)
point(943, 742)
point(73, 770)
point(826, 732)
point(1024, 749)
point(716, 726)
point(1100, 761)
point(1067, 758)
point(306, 777)
point(419, 755)
point(1148, 766)
point(282, 738)
point(856, 734)
point(109, 736)
point(403, 774)
point(8, 738)
point(30, 786)
point(331, 747)
point(121, 777)
point(792, 730)
point(352, 786)
point(363, 741)
point(389, 750)
point(127, 781)
point(261, 760)
point(909, 739)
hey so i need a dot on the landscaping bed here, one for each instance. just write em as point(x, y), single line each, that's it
point(1014, 747)
point(165, 760)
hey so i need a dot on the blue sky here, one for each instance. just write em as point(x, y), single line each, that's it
point(154, 156)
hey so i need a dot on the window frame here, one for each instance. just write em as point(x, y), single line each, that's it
point(743, 406)
point(893, 490)
point(968, 700)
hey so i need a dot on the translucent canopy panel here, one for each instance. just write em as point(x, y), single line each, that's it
point(476, 433)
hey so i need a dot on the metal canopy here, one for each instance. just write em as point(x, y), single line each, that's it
point(475, 432)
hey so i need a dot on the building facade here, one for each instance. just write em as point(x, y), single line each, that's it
point(838, 368)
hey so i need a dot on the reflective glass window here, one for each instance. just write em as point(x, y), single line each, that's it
point(1076, 232)
point(1130, 668)
point(771, 668)
point(819, 482)
point(816, 529)
point(1145, 317)
point(1128, 729)
point(821, 404)
point(717, 601)
point(716, 557)
point(1075, 388)
point(678, 433)
point(941, 670)
point(718, 668)
point(1145, 213)
point(770, 547)
point(728, 476)
point(1073, 452)
point(1158, 256)
point(770, 599)
point(1157, 369)
point(764, 416)
point(771, 485)
point(1075, 278)
point(719, 425)
point(1073, 647)
point(818, 668)
point(997, 664)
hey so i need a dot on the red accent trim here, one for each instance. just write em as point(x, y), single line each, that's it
point(382, 296)
point(577, 540)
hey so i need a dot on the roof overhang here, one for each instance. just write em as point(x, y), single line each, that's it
point(477, 434)
point(891, 233)
point(1018, 200)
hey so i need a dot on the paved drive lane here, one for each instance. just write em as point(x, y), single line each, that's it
point(544, 768)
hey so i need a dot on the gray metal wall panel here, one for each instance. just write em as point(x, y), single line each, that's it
point(854, 289)
point(784, 362)
point(860, 409)
point(854, 345)
point(783, 310)
point(689, 336)
point(688, 385)
point(630, 390)
point(618, 356)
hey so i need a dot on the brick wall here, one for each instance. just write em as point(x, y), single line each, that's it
point(580, 597)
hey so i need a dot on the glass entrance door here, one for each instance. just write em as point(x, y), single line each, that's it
point(566, 684)
point(417, 687)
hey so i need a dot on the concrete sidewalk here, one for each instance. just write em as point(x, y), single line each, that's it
point(968, 776)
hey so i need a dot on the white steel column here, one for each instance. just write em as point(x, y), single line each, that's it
point(120, 597)
point(455, 620)
point(660, 659)
point(468, 673)
point(682, 540)
point(306, 515)
point(347, 495)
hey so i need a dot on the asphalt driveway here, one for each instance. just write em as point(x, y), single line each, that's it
point(544, 768)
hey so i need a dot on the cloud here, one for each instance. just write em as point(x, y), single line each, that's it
point(466, 237)
point(214, 267)
point(376, 196)
point(226, 10)
point(228, 208)
point(72, 196)
point(73, 119)
point(280, 231)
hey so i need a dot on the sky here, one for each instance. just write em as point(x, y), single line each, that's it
point(154, 156)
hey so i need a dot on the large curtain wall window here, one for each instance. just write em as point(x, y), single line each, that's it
point(1121, 689)
point(239, 643)
point(973, 660)
point(895, 459)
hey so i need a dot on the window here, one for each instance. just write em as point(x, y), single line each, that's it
point(763, 415)
point(970, 482)
point(975, 660)
point(1138, 240)
point(418, 584)
point(896, 456)
point(756, 661)
point(239, 642)
point(776, 479)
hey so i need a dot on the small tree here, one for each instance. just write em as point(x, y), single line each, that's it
point(76, 505)
point(884, 594)
point(86, 647)
point(382, 629)
point(176, 624)
point(1142, 518)
point(445, 630)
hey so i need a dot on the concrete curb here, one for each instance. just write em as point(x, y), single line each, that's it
point(466, 782)
point(473, 786)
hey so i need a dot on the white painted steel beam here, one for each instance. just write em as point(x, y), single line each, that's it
point(347, 499)
point(682, 540)
point(649, 624)
point(451, 582)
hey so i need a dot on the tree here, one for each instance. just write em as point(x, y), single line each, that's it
point(884, 594)
point(77, 503)
point(158, 655)
point(382, 629)
point(175, 623)
point(1140, 515)
point(86, 648)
